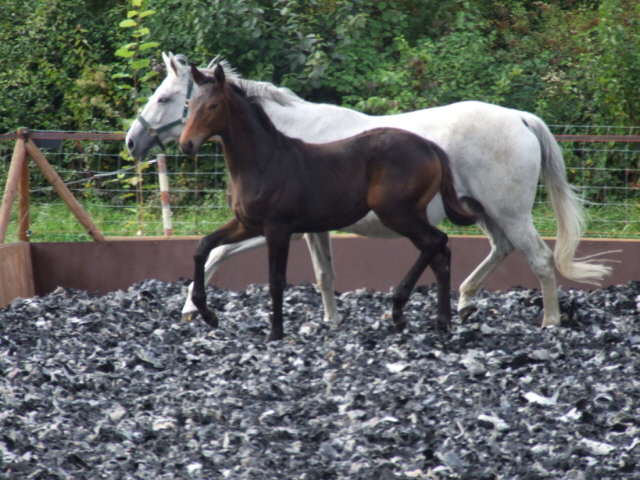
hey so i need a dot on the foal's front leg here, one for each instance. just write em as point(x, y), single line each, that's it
point(231, 232)
point(278, 240)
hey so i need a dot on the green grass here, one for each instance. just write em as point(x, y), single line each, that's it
point(54, 222)
point(609, 221)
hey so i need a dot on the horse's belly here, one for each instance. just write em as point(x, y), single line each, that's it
point(370, 226)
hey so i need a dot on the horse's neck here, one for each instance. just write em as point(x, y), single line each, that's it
point(316, 122)
point(312, 122)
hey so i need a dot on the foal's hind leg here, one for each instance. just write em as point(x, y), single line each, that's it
point(441, 266)
point(432, 244)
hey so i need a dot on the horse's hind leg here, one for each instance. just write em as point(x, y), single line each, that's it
point(500, 248)
point(519, 233)
point(320, 248)
point(540, 257)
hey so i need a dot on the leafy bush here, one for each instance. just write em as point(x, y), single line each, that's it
point(56, 64)
point(71, 66)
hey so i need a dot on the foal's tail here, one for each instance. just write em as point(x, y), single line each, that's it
point(453, 207)
point(567, 207)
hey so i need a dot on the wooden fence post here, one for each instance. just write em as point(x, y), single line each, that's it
point(18, 160)
point(23, 204)
point(164, 194)
point(63, 191)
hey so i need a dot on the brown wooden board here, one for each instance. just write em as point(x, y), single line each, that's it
point(359, 262)
point(16, 274)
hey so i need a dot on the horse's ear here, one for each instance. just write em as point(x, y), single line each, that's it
point(218, 75)
point(198, 77)
point(171, 63)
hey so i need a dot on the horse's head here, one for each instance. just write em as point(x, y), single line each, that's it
point(209, 111)
point(161, 120)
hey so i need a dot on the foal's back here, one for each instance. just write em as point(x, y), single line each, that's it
point(329, 186)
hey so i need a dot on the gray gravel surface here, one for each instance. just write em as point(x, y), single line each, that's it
point(115, 386)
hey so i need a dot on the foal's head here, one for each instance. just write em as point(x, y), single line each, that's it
point(209, 111)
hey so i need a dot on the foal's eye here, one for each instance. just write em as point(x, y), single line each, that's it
point(163, 99)
point(213, 106)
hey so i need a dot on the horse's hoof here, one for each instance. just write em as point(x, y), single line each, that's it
point(466, 312)
point(554, 322)
point(210, 317)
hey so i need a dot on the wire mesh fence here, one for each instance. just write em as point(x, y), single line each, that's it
point(603, 163)
point(123, 198)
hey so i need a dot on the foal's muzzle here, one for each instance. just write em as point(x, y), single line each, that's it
point(187, 147)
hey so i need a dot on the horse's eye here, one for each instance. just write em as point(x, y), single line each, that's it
point(213, 106)
point(163, 99)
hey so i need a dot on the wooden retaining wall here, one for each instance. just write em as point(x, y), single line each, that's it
point(16, 272)
point(101, 267)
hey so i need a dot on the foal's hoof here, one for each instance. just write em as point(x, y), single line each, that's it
point(443, 325)
point(400, 324)
point(273, 336)
point(210, 317)
point(466, 312)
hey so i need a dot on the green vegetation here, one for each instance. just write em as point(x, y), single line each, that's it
point(78, 65)
point(83, 64)
point(53, 222)
point(89, 64)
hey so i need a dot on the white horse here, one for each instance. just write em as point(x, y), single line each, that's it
point(497, 155)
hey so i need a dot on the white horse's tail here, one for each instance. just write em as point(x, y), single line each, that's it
point(568, 209)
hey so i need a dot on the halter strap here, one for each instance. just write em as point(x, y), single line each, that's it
point(155, 132)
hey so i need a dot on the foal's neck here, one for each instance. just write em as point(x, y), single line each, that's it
point(250, 137)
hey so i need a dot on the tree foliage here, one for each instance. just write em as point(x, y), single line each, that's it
point(77, 64)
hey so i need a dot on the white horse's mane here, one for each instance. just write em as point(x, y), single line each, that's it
point(254, 88)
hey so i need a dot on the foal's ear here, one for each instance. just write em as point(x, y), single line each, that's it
point(197, 75)
point(218, 75)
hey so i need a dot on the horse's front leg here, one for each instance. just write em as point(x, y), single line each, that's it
point(231, 232)
point(320, 248)
point(278, 239)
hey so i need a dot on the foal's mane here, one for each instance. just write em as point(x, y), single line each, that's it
point(254, 103)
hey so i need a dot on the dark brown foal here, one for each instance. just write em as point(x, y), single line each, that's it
point(279, 186)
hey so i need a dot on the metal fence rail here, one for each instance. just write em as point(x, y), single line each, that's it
point(123, 198)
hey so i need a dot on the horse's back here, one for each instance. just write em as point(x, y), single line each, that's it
point(402, 146)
